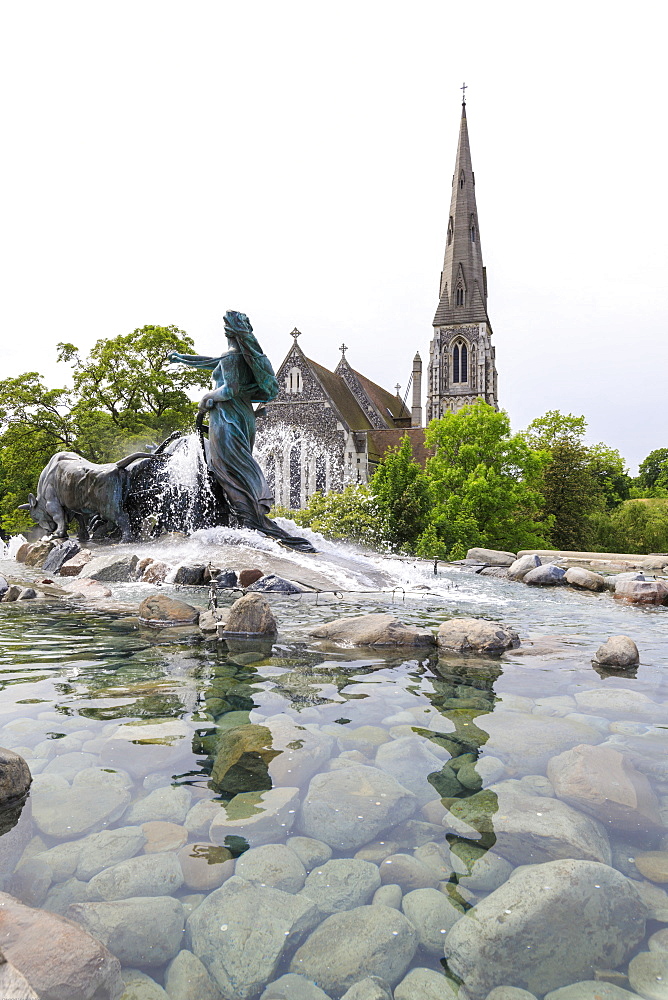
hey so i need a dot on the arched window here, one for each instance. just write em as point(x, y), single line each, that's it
point(461, 180)
point(459, 296)
point(293, 381)
point(455, 364)
point(451, 229)
point(460, 362)
point(321, 473)
point(463, 364)
point(473, 232)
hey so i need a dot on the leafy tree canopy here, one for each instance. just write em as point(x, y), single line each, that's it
point(653, 470)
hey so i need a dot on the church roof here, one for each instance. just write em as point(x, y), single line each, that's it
point(341, 397)
point(390, 406)
point(380, 441)
point(463, 269)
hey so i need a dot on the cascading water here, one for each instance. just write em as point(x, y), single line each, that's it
point(297, 464)
point(188, 496)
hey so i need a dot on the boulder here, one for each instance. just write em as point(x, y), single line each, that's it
point(250, 615)
point(58, 957)
point(275, 585)
point(242, 760)
point(13, 984)
point(186, 978)
point(618, 651)
point(602, 782)
point(274, 865)
point(37, 552)
point(648, 975)
point(74, 565)
point(156, 572)
point(642, 591)
point(519, 569)
point(145, 931)
point(15, 776)
point(59, 554)
point(583, 579)
point(27, 594)
point(210, 620)
point(503, 939)
point(11, 594)
point(22, 552)
point(112, 568)
point(493, 557)
point(205, 866)
point(241, 932)
point(367, 941)
point(373, 630)
point(160, 611)
point(226, 579)
point(347, 808)
point(341, 884)
point(547, 575)
point(146, 875)
point(529, 829)
point(410, 761)
point(256, 816)
point(475, 635)
point(249, 576)
point(190, 576)
point(525, 742)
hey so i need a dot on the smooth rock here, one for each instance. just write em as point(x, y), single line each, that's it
point(190, 576)
point(274, 865)
point(602, 782)
point(348, 946)
point(156, 572)
point(388, 895)
point(293, 987)
point(526, 742)
point(205, 866)
point(369, 988)
point(519, 569)
point(31, 882)
point(432, 913)
point(493, 557)
point(583, 579)
point(436, 856)
point(160, 611)
point(186, 978)
point(618, 651)
point(502, 939)
point(145, 875)
point(162, 836)
point(591, 989)
point(15, 776)
point(301, 752)
point(139, 986)
point(410, 761)
point(341, 884)
point(348, 808)
point(112, 568)
point(310, 852)
point(648, 975)
point(475, 635)
point(145, 931)
point(408, 872)
point(510, 993)
point(27, 594)
point(242, 760)
point(258, 817)
point(59, 554)
point(64, 894)
point(654, 900)
point(95, 797)
point(546, 575)
point(425, 984)
point(249, 576)
point(241, 931)
point(210, 620)
point(105, 849)
point(479, 870)
point(251, 615)
point(373, 630)
point(89, 589)
point(653, 865)
point(659, 941)
point(59, 959)
point(641, 591)
point(198, 819)
point(169, 804)
point(605, 701)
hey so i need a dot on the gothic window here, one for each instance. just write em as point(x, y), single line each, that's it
point(460, 362)
point(473, 368)
point(461, 180)
point(459, 295)
point(463, 364)
point(473, 233)
point(455, 364)
point(450, 231)
point(293, 381)
point(296, 475)
point(321, 473)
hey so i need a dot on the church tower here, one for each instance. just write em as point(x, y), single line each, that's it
point(461, 361)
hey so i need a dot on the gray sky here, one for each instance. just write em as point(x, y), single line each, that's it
point(164, 162)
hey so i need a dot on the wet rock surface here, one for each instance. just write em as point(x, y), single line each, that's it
point(475, 635)
point(373, 630)
point(251, 615)
point(618, 651)
point(159, 610)
point(15, 776)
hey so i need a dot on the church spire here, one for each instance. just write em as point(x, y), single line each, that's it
point(463, 291)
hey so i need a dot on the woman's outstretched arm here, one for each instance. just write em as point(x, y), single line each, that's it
point(194, 360)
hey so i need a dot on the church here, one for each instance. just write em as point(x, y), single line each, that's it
point(328, 429)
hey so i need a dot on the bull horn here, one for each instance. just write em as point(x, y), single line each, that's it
point(24, 506)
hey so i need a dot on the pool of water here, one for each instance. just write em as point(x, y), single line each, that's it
point(387, 792)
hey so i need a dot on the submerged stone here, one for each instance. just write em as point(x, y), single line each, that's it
point(160, 611)
point(373, 630)
point(242, 760)
point(475, 635)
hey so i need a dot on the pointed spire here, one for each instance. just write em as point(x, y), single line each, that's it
point(463, 295)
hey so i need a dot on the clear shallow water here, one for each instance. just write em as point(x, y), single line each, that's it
point(72, 681)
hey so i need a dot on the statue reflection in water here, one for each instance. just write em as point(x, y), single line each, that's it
point(243, 375)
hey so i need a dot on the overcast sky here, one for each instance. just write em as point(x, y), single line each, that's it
point(163, 162)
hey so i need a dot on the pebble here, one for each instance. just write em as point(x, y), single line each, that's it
point(341, 884)
point(648, 974)
point(170, 804)
point(205, 866)
point(310, 852)
point(146, 875)
point(144, 931)
point(186, 978)
point(425, 984)
point(388, 895)
point(432, 913)
point(162, 836)
point(653, 865)
point(273, 865)
point(408, 872)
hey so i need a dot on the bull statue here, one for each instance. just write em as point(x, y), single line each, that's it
point(70, 487)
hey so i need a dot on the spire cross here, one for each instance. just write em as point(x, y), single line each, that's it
point(296, 333)
point(463, 89)
point(397, 387)
point(343, 350)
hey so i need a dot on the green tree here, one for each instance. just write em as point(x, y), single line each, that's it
point(640, 526)
point(544, 432)
point(351, 514)
point(653, 472)
point(23, 454)
point(401, 490)
point(484, 484)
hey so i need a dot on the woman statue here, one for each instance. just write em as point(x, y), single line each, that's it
point(243, 376)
